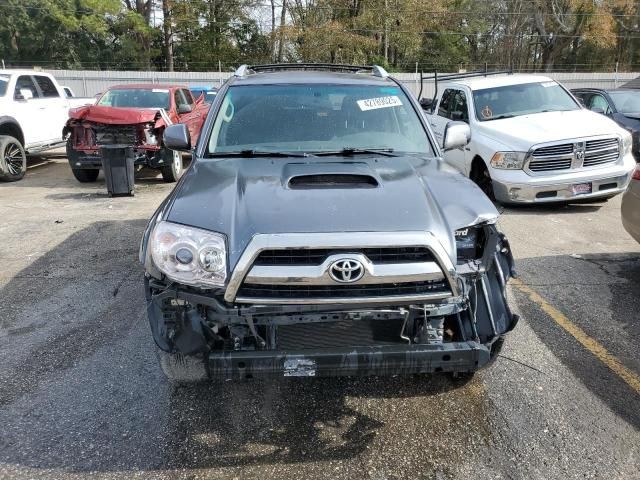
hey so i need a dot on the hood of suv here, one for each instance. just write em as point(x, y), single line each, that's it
point(114, 115)
point(241, 197)
point(520, 133)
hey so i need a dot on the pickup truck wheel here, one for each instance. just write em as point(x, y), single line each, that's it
point(13, 159)
point(480, 175)
point(179, 368)
point(174, 165)
point(85, 175)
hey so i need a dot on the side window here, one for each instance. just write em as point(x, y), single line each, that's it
point(443, 107)
point(47, 87)
point(179, 98)
point(598, 101)
point(582, 97)
point(25, 82)
point(189, 97)
point(458, 107)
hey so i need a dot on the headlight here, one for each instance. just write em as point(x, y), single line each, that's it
point(508, 160)
point(627, 143)
point(467, 244)
point(189, 255)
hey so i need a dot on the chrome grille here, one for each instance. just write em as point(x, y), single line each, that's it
point(548, 165)
point(567, 156)
point(602, 151)
point(318, 255)
point(554, 150)
point(306, 268)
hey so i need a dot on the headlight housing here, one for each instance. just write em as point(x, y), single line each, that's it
point(189, 255)
point(627, 143)
point(508, 160)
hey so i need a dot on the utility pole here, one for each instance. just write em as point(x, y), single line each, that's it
point(386, 34)
point(168, 34)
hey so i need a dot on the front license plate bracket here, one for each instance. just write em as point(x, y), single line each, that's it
point(581, 188)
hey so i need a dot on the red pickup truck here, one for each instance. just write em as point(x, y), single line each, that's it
point(133, 115)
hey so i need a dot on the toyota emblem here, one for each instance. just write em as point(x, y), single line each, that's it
point(346, 270)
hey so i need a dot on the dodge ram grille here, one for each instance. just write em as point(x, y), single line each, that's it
point(575, 155)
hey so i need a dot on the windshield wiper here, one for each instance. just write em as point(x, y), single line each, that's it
point(256, 153)
point(347, 151)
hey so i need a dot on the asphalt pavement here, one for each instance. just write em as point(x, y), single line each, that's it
point(81, 395)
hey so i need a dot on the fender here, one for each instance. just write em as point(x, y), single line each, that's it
point(13, 124)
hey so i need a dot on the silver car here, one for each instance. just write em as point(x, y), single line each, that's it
point(631, 206)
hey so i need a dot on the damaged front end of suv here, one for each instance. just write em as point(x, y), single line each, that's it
point(358, 262)
point(407, 312)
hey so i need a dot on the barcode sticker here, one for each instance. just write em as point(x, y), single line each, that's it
point(380, 102)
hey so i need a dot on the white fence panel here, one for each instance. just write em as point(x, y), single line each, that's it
point(90, 82)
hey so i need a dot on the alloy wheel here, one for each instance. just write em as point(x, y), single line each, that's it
point(13, 159)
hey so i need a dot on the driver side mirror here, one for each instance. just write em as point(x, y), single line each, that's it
point(426, 104)
point(184, 108)
point(24, 94)
point(456, 135)
point(177, 137)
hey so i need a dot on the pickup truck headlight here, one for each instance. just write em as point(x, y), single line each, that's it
point(627, 143)
point(508, 160)
point(467, 243)
point(189, 255)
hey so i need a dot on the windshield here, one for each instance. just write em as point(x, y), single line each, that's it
point(316, 118)
point(4, 81)
point(137, 98)
point(626, 102)
point(523, 99)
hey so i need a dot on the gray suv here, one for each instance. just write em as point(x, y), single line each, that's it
point(318, 232)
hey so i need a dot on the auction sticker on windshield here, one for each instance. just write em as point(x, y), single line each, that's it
point(380, 102)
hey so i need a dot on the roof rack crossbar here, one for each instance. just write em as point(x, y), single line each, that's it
point(480, 73)
point(453, 76)
point(244, 70)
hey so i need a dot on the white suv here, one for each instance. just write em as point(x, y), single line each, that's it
point(531, 141)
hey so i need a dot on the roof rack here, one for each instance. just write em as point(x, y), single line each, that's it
point(455, 76)
point(375, 70)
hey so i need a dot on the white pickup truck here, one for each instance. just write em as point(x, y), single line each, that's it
point(531, 141)
point(33, 112)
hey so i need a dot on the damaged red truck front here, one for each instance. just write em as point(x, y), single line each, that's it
point(133, 115)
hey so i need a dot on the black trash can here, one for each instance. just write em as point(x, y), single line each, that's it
point(117, 164)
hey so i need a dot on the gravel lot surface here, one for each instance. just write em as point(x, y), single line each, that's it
point(81, 395)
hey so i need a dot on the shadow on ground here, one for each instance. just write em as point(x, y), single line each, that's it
point(299, 420)
point(82, 392)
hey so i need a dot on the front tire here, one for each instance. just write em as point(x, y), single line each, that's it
point(480, 175)
point(13, 159)
point(83, 175)
point(174, 167)
point(183, 369)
